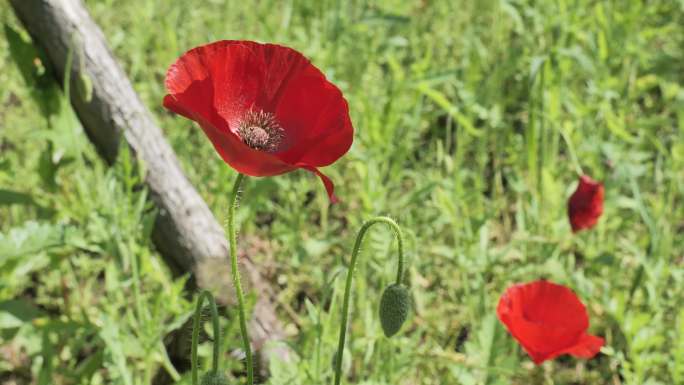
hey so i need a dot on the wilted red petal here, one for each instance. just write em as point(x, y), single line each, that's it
point(585, 206)
point(220, 84)
point(547, 320)
point(329, 186)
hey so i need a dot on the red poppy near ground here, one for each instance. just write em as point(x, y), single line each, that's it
point(548, 320)
point(266, 109)
point(585, 206)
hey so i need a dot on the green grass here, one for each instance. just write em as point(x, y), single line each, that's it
point(469, 116)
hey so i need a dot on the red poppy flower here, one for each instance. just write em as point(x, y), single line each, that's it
point(585, 206)
point(266, 109)
point(548, 320)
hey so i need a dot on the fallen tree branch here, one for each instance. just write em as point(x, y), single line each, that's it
point(186, 233)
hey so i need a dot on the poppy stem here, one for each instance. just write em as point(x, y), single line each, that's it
point(195, 334)
point(350, 273)
point(232, 240)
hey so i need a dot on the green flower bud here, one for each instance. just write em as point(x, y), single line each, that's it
point(214, 378)
point(394, 308)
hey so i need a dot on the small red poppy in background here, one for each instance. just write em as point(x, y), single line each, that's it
point(266, 109)
point(585, 205)
point(548, 320)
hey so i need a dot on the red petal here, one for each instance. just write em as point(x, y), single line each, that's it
point(231, 149)
point(548, 303)
point(317, 117)
point(327, 182)
point(280, 65)
point(587, 347)
point(545, 318)
point(227, 75)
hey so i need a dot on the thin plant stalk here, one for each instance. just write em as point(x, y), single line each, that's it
point(350, 275)
point(235, 273)
point(195, 335)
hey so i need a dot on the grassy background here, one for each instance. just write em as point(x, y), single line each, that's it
point(471, 117)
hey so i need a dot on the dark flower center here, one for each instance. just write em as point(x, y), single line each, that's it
point(261, 131)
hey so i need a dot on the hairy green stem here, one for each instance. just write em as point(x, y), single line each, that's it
point(196, 330)
point(350, 274)
point(232, 240)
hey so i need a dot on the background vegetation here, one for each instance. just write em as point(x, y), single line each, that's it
point(470, 118)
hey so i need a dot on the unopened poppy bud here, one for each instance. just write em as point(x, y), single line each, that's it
point(394, 308)
point(214, 378)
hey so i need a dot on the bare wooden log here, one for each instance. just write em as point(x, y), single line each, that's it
point(186, 233)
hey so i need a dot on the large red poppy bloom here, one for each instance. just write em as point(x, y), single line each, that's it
point(548, 320)
point(585, 205)
point(266, 109)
